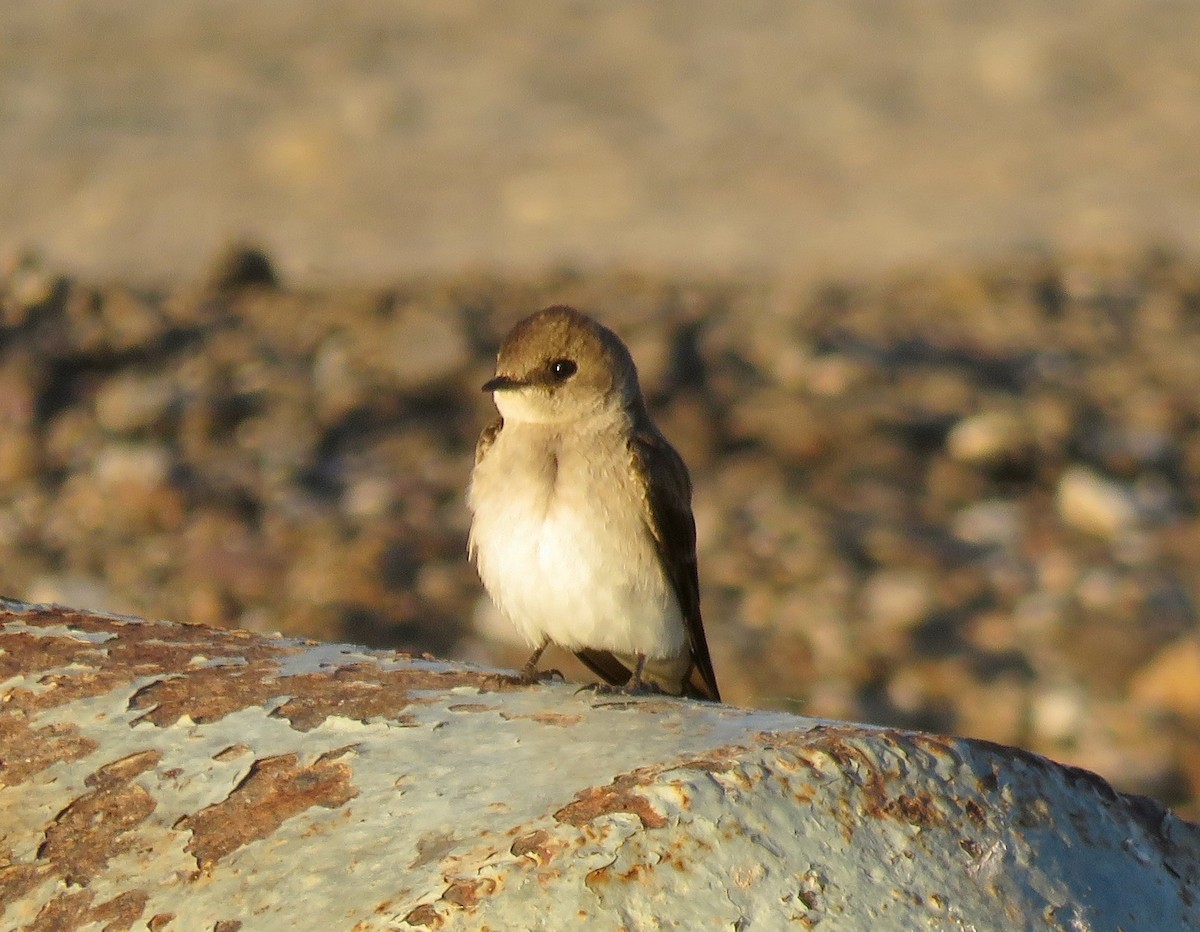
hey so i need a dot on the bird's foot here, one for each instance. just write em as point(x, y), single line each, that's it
point(631, 688)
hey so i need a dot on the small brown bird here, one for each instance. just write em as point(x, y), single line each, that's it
point(582, 530)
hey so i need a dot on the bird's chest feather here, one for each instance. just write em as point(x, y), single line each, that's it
point(555, 510)
point(561, 543)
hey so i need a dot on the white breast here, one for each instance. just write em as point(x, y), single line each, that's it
point(562, 548)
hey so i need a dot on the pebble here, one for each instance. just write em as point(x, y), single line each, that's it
point(19, 459)
point(991, 522)
point(123, 465)
point(132, 402)
point(1057, 713)
point(1170, 682)
point(990, 437)
point(1095, 505)
point(896, 600)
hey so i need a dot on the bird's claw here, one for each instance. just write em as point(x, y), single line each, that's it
point(641, 688)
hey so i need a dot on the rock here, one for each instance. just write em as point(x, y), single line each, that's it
point(1171, 681)
point(252, 746)
point(124, 465)
point(242, 266)
point(835, 375)
point(894, 601)
point(1090, 503)
point(991, 522)
point(132, 402)
point(988, 438)
point(1058, 713)
point(20, 459)
point(25, 283)
point(130, 322)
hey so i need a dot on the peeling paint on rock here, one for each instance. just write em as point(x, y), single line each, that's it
point(276, 789)
point(166, 776)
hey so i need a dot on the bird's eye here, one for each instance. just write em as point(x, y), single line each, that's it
point(563, 369)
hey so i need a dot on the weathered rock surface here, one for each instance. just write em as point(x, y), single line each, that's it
point(161, 776)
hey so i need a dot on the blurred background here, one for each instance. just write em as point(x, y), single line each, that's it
point(914, 288)
point(376, 137)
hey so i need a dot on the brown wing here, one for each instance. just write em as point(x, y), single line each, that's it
point(487, 438)
point(669, 521)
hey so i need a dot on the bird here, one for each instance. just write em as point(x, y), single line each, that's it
point(582, 528)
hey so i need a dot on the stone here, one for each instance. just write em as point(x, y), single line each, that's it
point(992, 522)
point(989, 437)
point(132, 402)
point(896, 600)
point(1095, 505)
point(1170, 682)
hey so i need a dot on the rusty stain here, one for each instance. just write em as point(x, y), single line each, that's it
point(638, 872)
point(975, 813)
point(88, 832)
point(132, 651)
point(618, 796)
point(227, 925)
point(74, 910)
point(673, 858)
point(468, 893)
point(18, 879)
point(275, 790)
point(597, 878)
point(911, 808)
point(718, 760)
point(28, 751)
point(534, 845)
point(425, 915)
point(160, 921)
point(206, 693)
point(362, 691)
point(124, 769)
point(335, 753)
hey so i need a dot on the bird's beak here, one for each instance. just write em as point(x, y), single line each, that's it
point(500, 383)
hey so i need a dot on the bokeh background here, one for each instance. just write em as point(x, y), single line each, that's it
point(374, 137)
point(914, 288)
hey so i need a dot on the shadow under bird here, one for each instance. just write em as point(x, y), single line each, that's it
point(582, 525)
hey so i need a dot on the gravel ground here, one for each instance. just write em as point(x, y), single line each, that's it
point(964, 499)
